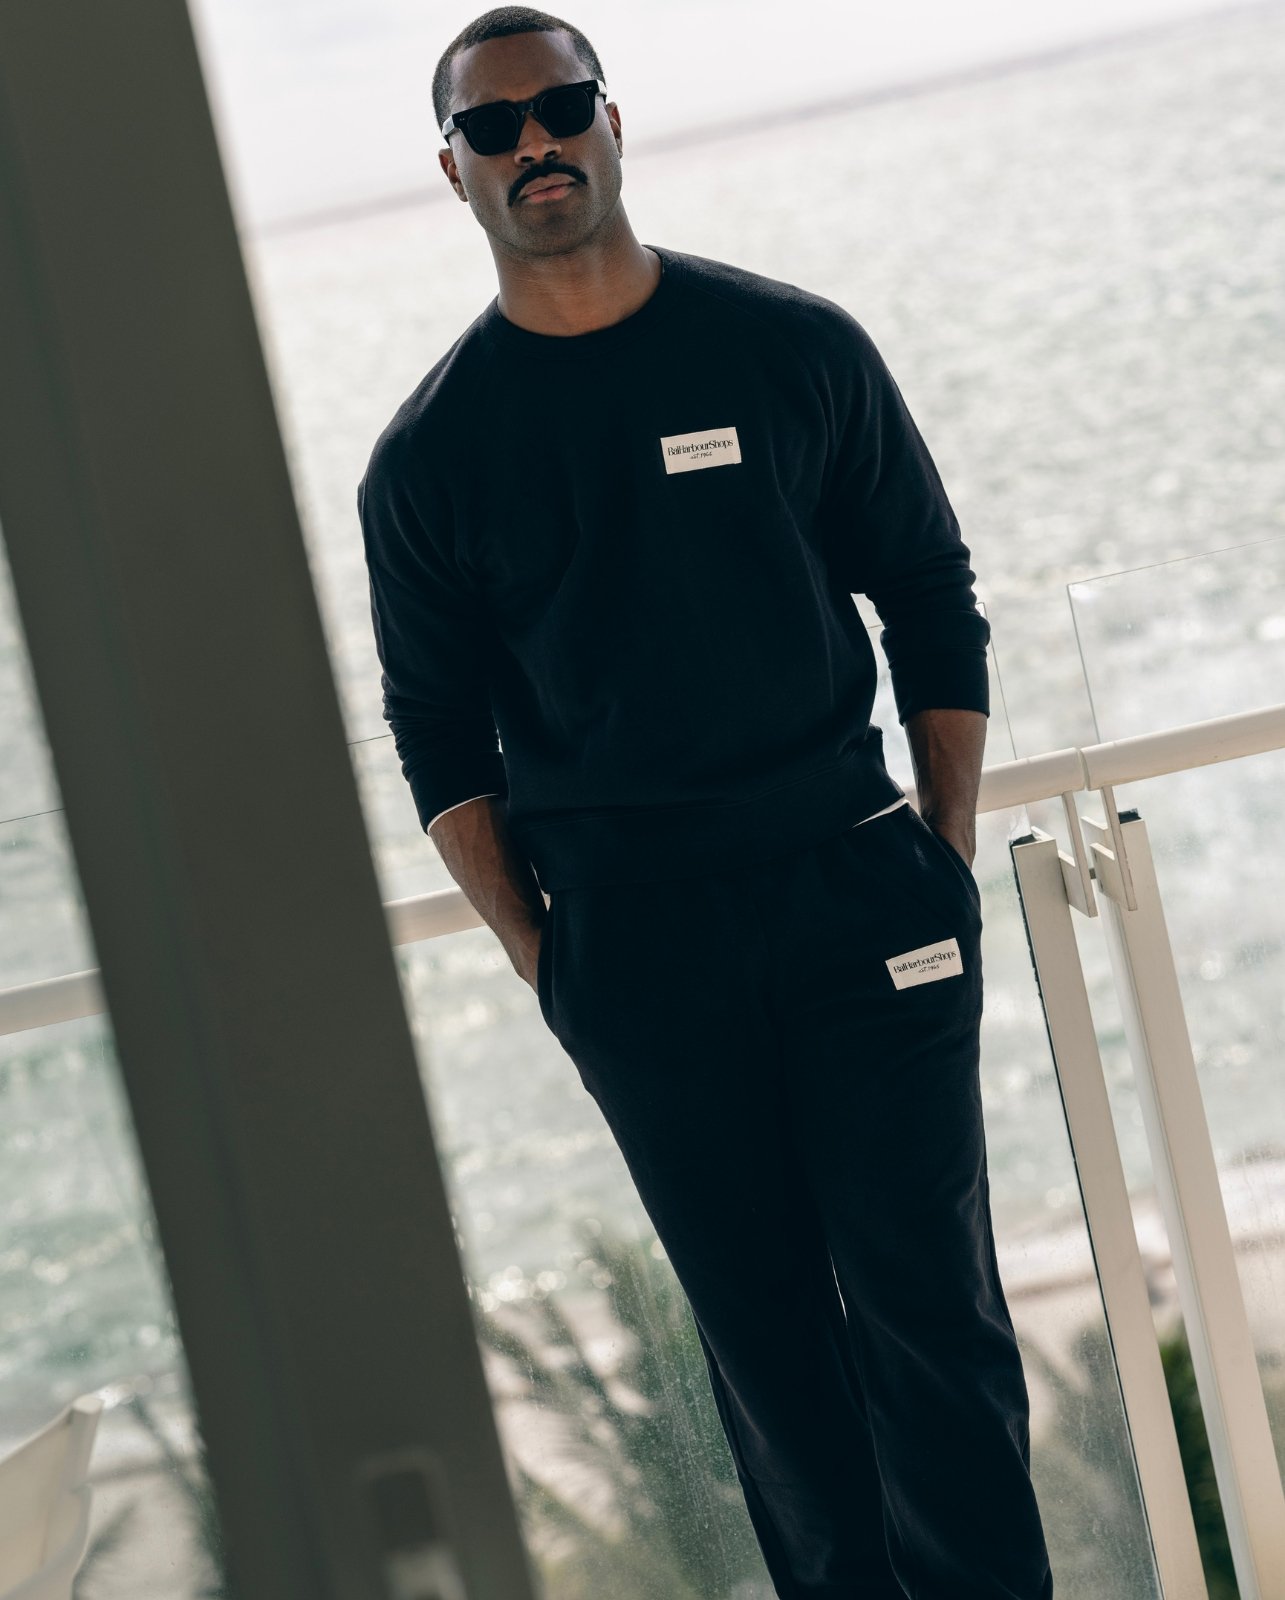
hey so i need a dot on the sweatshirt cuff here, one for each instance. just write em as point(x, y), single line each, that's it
point(952, 678)
point(434, 792)
point(456, 807)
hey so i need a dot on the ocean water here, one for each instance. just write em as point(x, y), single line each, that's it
point(277, 70)
point(1075, 274)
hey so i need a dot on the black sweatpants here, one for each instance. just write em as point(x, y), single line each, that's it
point(787, 1056)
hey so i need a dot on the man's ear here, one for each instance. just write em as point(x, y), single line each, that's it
point(447, 163)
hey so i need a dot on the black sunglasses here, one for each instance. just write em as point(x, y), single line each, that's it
point(562, 111)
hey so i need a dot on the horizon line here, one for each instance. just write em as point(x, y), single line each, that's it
point(830, 105)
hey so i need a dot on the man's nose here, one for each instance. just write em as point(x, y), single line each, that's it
point(535, 142)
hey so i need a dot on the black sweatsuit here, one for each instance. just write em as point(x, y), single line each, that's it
point(632, 553)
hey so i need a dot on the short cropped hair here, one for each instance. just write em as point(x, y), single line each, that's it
point(496, 25)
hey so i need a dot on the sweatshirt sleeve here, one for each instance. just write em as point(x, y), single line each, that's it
point(435, 648)
point(892, 535)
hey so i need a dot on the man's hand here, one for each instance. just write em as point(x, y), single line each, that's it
point(524, 952)
point(497, 879)
point(960, 832)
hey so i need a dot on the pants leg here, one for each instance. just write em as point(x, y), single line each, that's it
point(884, 1096)
point(660, 1004)
point(800, 1123)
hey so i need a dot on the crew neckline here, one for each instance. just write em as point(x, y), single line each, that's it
point(597, 341)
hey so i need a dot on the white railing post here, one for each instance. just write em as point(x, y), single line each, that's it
point(1186, 1174)
point(1042, 891)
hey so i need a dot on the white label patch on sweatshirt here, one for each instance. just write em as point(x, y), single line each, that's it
point(713, 447)
point(926, 964)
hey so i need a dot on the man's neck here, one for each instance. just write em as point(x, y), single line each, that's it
point(570, 294)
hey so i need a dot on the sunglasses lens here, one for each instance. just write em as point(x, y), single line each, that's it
point(566, 111)
point(492, 129)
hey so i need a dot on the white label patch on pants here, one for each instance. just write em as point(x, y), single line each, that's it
point(926, 964)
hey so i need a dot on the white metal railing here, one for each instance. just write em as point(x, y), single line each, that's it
point(1189, 1190)
point(1006, 785)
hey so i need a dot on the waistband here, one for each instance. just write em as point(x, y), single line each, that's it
point(653, 845)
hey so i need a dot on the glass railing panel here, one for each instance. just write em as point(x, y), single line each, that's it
point(1201, 637)
point(1180, 641)
point(85, 1304)
point(43, 933)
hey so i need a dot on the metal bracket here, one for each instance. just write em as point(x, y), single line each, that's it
point(1111, 859)
point(1077, 871)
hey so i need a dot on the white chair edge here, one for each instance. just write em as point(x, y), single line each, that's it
point(80, 1418)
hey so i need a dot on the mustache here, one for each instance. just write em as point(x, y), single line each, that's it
point(528, 178)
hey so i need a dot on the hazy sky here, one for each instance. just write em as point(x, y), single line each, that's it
point(327, 102)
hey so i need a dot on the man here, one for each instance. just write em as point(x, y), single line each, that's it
point(621, 522)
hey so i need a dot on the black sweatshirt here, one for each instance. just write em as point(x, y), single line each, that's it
point(632, 552)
